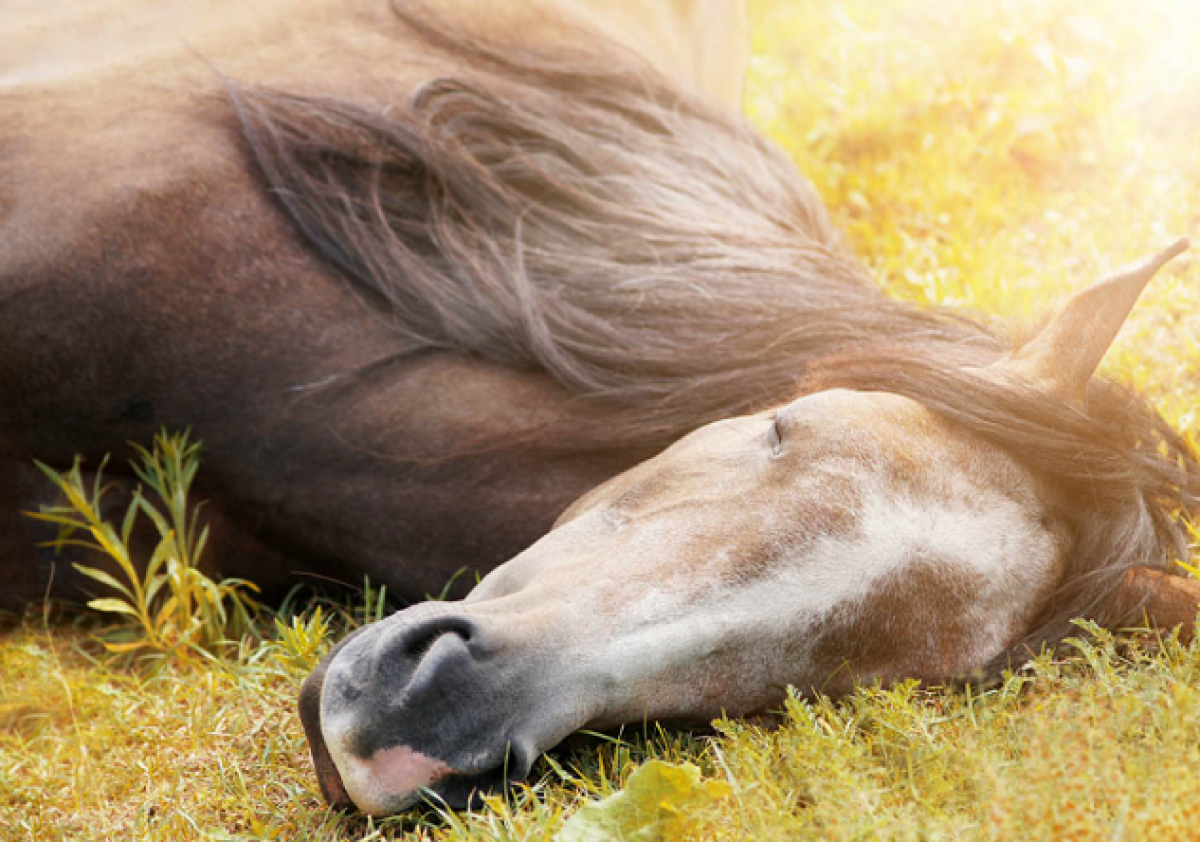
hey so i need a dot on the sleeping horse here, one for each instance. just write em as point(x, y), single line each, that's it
point(512, 289)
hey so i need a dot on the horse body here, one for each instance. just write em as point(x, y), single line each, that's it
point(146, 280)
point(417, 316)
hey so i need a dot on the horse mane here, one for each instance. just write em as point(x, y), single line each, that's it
point(571, 211)
point(577, 214)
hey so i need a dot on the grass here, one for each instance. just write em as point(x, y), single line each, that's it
point(991, 155)
point(172, 608)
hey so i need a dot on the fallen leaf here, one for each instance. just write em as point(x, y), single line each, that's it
point(650, 808)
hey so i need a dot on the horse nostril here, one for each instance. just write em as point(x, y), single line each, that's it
point(416, 640)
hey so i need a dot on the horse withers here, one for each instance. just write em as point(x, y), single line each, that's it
point(451, 287)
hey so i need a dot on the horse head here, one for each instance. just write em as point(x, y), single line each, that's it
point(863, 531)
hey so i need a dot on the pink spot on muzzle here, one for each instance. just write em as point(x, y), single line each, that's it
point(390, 778)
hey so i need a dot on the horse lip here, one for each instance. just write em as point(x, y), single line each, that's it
point(328, 777)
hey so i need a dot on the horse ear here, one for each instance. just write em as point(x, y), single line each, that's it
point(1064, 355)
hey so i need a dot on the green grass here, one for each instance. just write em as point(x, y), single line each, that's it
point(990, 155)
point(171, 608)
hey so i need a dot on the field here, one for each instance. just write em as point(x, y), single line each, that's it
point(989, 155)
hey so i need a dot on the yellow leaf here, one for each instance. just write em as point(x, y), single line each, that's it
point(652, 807)
point(125, 647)
point(115, 606)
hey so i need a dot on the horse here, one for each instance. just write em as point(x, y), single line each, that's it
point(517, 290)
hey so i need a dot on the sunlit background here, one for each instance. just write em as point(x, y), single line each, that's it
point(998, 154)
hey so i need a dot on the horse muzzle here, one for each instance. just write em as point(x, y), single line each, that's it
point(429, 703)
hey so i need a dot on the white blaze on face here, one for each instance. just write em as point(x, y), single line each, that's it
point(985, 537)
point(760, 633)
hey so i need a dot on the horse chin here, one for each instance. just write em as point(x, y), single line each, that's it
point(391, 780)
point(399, 778)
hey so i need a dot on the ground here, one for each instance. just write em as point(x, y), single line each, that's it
point(991, 155)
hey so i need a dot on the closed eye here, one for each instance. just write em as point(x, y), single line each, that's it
point(775, 436)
